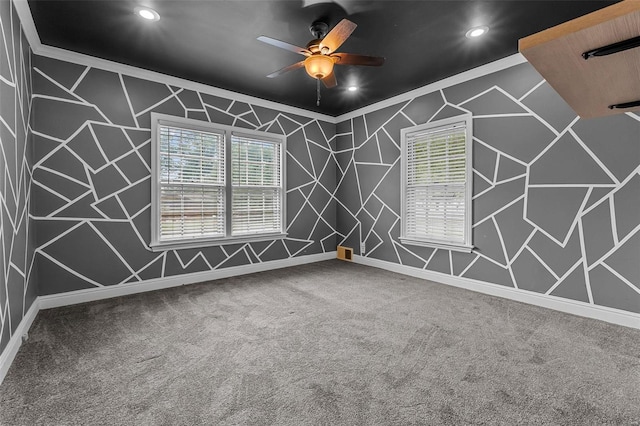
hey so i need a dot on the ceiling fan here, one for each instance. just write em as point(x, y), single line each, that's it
point(321, 52)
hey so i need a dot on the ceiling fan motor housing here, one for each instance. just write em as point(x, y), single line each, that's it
point(320, 52)
point(314, 46)
point(318, 65)
point(319, 29)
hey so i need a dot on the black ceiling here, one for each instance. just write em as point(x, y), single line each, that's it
point(214, 42)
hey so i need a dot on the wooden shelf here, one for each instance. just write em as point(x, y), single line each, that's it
point(590, 86)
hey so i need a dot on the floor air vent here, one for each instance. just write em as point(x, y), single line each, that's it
point(345, 253)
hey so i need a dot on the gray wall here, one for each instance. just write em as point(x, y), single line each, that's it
point(555, 205)
point(555, 197)
point(91, 194)
point(17, 283)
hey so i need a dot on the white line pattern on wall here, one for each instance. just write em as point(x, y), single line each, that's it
point(17, 286)
point(549, 191)
point(92, 169)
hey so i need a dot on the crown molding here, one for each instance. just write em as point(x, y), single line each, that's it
point(481, 71)
point(28, 25)
point(38, 48)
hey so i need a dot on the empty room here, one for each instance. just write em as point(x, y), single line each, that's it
point(309, 212)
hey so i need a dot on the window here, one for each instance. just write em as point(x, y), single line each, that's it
point(436, 184)
point(214, 184)
point(257, 191)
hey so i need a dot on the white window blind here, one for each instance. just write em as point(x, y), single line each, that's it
point(436, 202)
point(214, 184)
point(256, 185)
point(192, 183)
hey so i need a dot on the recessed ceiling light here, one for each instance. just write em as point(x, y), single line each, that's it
point(146, 13)
point(352, 88)
point(477, 31)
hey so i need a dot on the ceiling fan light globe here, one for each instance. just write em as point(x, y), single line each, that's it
point(318, 66)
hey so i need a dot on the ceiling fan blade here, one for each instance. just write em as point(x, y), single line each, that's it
point(284, 45)
point(337, 36)
point(353, 59)
point(287, 69)
point(330, 81)
point(349, 6)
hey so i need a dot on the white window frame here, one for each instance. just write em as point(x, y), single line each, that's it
point(156, 243)
point(427, 241)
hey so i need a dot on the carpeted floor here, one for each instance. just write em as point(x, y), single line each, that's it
point(330, 343)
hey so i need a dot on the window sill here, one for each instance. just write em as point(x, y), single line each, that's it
point(195, 243)
point(453, 247)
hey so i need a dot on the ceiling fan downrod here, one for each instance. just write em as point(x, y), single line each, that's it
point(319, 30)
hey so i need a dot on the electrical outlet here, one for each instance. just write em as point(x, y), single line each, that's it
point(363, 248)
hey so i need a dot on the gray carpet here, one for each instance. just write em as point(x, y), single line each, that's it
point(330, 343)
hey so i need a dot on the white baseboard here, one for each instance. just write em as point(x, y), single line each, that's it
point(614, 316)
point(11, 350)
point(99, 293)
point(602, 313)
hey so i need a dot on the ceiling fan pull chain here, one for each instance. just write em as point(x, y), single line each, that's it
point(318, 92)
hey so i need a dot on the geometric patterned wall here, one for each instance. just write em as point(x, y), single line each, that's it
point(555, 198)
point(17, 283)
point(91, 178)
